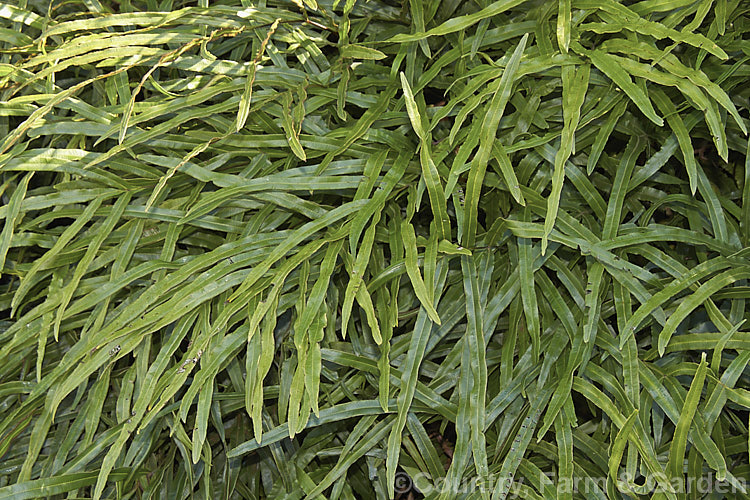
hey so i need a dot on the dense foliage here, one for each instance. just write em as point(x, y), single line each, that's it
point(370, 248)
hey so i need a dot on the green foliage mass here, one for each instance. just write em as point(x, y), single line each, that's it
point(374, 248)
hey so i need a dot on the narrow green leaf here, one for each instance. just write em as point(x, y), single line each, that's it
point(361, 52)
point(697, 298)
point(12, 216)
point(410, 245)
point(475, 343)
point(669, 111)
point(618, 447)
point(461, 22)
point(575, 84)
point(492, 117)
point(679, 441)
point(609, 66)
point(563, 25)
